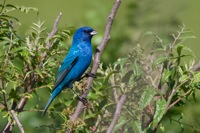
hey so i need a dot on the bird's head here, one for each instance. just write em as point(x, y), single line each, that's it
point(84, 34)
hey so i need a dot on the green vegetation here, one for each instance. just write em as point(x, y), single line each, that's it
point(156, 74)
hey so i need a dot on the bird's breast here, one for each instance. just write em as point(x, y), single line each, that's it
point(83, 50)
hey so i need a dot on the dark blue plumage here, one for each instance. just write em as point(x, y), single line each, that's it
point(75, 63)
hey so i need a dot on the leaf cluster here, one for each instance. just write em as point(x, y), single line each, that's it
point(26, 63)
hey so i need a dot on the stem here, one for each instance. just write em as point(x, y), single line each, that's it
point(117, 114)
point(3, 5)
point(17, 121)
point(172, 94)
point(171, 105)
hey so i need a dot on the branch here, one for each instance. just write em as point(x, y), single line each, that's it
point(169, 99)
point(97, 57)
point(8, 127)
point(117, 114)
point(54, 30)
point(171, 105)
point(49, 44)
point(17, 121)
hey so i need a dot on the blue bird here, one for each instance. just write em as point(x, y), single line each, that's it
point(75, 63)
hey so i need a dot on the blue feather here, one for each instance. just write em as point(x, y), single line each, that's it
point(75, 63)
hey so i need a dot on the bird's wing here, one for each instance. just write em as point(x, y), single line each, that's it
point(65, 68)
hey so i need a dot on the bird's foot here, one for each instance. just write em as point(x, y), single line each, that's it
point(91, 75)
point(97, 50)
point(83, 100)
point(86, 75)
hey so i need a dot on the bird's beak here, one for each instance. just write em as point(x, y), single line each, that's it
point(93, 33)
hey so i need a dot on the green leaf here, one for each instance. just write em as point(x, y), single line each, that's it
point(122, 121)
point(180, 70)
point(93, 96)
point(127, 76)
point(18, 49)
point(27, 74)
point(10, 17)
point(137, 127)
point(26, 9)
point(196, 78)
point(183, 78)
point(160, 111)
point(179, 49)
point(102, 104)
point(149, 33)
point(160, 60)
point(9, 5)
point(158, 50)
point(137, 69)
point(90, 116)
point(165, 76)
point(68, 102)
point(187, 37)
point(146, 97)
point(110, 74)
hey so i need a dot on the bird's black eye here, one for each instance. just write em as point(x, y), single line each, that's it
point(84, 31)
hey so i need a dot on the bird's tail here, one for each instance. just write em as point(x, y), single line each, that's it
point(47, 106)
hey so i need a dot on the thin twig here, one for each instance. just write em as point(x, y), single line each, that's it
point(53, 32)
point(171, 105)
point(174, 90)
point(117, 114)
point(17, 121)
point(112, 82)
point(97, 57)
point(8, 127)
point(176, 38)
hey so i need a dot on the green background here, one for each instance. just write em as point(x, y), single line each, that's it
point(150, 15)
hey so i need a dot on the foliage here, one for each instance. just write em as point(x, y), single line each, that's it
point(156, 80)
point(26, 62)
point(170, 81)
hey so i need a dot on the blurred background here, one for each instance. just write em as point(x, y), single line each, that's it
point(134, 20)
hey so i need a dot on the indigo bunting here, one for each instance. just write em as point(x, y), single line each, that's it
point(75, 63)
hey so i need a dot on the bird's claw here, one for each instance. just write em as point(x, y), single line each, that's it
point(91, 75)
point(83, 100)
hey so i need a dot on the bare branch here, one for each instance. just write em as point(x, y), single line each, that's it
point(17, 121)
point(174, 90)
point(175, 102)
point(97, 57)
point(8, 127)
point(53, 32)
point(117, 114)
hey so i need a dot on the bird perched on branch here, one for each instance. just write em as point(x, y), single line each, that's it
point(75, 63)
